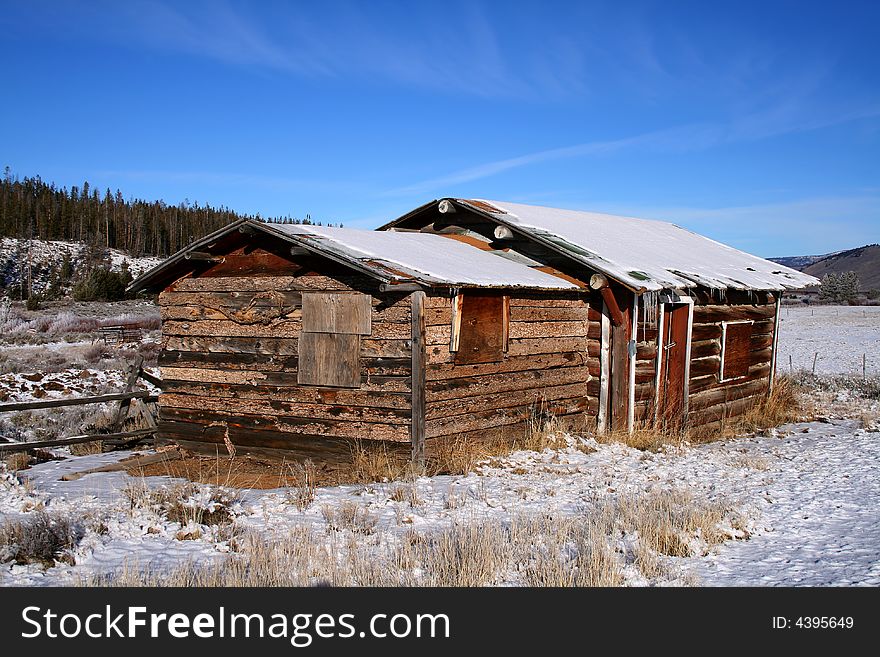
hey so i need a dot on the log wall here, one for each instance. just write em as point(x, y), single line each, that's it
point(552, 350)
point(711, 400)
point(229, 363)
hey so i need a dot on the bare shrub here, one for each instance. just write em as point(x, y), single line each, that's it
point(349, 515)
point(40, 538)
point(186, 503)
point(408, 493)
point(371, 463)
point(303, 484)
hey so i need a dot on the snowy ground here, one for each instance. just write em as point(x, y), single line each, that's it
point(840, 335)
point(806, 496)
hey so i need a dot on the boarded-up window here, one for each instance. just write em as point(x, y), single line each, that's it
point(479, 328)
point(735, 346)
point(330, 340)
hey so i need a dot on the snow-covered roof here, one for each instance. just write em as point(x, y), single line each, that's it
point(391, 257)
point(424, 257)
point(642, 254)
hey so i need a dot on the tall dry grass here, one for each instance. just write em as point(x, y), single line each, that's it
point(586, 549)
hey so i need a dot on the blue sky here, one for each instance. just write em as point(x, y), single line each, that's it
point(757, 124)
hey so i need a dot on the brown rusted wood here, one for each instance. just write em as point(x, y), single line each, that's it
point(418, 367)
point(724, 411)
point(498, 383)
point(270, 363)
point(326, 312)
point(329, 359)
point(617, 316)
point(705, 348)
point(372, 347)
point(541, 314)
point(705, 382)
point(499, 417)
point(255, 378)
point(735, 350)
point(272, 407)
point(619, 361)
point(708, 314)
point(481, 337)
point(255, 263)
point(703, 366)
point(291, 424)
point(726, 393)
point(307, 394)
point(509, 399)
point(440, 371)
point(520, 330)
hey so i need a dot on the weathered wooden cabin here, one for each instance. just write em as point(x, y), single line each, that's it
point(304, 338)
point(682, 329)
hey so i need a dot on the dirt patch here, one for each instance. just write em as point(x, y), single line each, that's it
point(242, 471)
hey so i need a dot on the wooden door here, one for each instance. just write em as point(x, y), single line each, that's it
point(674, 365)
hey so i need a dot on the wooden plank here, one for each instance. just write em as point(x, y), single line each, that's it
point(554, 314)
point(481, 337)
point(441, 371)
point(619, 358)
point(266, 406)
point(263, 283)
point(329, 359)
point(73, 440)
point(727, 392)
point(735, 350)
point(291, 424)
point(307, 395)
point(419, 365)
point(327, 312)
point(289, 328)
point(230, 299)
point(374, 347)
point(709, 314)
point(255, 263)
point(510, 399)
point(548, 329)
point(253, 378)
point(504, 382)
point(75, 401)
point(499, 417)
point(264, 363)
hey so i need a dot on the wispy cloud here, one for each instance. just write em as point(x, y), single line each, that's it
point(692, 137)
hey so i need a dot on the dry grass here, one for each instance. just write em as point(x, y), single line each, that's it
point(40, 538)
point(350, 516)
point(186, 503)
point(302, 484)
point(541, 550)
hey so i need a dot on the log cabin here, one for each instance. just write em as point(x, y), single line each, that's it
point(460, 320)
point(687, 327)
point(305, 339)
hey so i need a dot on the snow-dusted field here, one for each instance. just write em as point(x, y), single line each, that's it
point(841, 335)
point(805, 498)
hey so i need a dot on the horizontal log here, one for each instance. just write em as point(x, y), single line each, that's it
point(519, 301)
point(719, 313)
point(439, 353)
point(543, 314)
point(723, 411)
point(73, 440)
point(305, 394)
point(291, 424)
point(255, 315)
point(496, 418)
point(644, 391)
point(370, 347)
point(263, 283)
point(229, 328)
point(704, 366)
point(250, 377)
point(646, 350)
point(440, 371)
point(504, 382)
point(264, 363)
point(320, 449)
point(726, 393)
point(705, 348)
point(231, 300)
point(76, 401)
point(697, 384)
point(547, 329)
point(288, 408)
point(480, 403)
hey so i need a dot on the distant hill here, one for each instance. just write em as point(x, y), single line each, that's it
point(799, 262)
point(864, 261)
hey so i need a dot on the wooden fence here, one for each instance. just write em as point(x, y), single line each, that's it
point(117, 437)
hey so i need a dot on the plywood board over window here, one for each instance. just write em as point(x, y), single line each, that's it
point(735, 345)
point(330, 341)
point(479, 328)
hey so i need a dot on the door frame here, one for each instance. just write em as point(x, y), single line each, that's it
point(673, 300)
